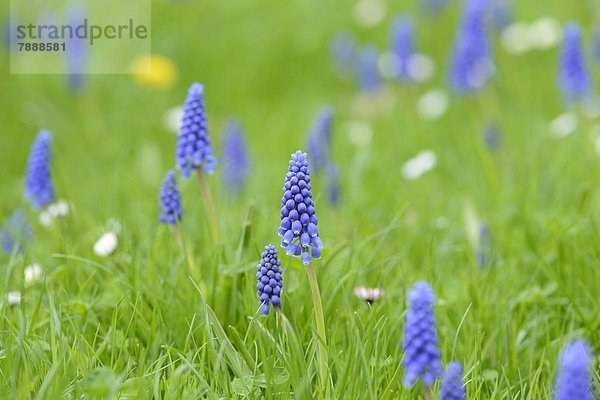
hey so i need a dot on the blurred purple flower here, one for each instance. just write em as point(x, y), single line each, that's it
point(16, 232)
point(343, 49)
point(574, 379)
point(421, 354)
point(402, 46)
point(194, 148)
point(170, 200)
point(298, 229)
point(433, 7)
point(502, 14)
point(484, 251)
point(319, 140)
point(452, 387)
point(366, 65)
point(235, 158)
point(574, 79)
point(39, 189)
point(492, 136)
point(471, 64)
point(332, 184)
point(76, 52)
point(270, 280)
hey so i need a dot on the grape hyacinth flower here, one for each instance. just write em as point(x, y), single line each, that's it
point(332, 184)
point(235, 158)
point(194, 148)
point(574, 79)
point(471, 65)
point(319, 140)
point(484, 251)
point(367, 74)
point(343, 49)
point(15, 232)
point(451, 387)
point(574, 380)
point(492, 136)
point(170, 200)
point(76, 54)
point(298, 228)
point(421, 355)
point(39, 189)
point(402, 47)
point(270, 280)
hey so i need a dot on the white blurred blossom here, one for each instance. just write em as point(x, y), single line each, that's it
point(433, 104)
point(58, 209)
point(33, 273)
point(106, 245)
point(369, 13)
point(173, 118)
point(418, 165)
point(45, 218)
point(13, 298)
point(420, 67)
point(544, 33)
point(515, 38)
point(359, 133)
point(564, 124)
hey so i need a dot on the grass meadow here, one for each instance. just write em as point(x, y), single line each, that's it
point(141, 323)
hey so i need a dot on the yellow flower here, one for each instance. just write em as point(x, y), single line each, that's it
point(154, 71)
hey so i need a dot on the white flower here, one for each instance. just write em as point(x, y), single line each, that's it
point(564, 124)
point(544, 33)
point(106, 245)
point(369, 295)
point(433, 104)
point(33, 273)
point(58, 209)
point(359, 133)
point(369, 13)
point(418, 165)
point(45, 218)
point(515, 38)
point(13, 298)
point(420, 67)
point(172, 119)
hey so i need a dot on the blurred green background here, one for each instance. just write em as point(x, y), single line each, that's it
point(269, 63)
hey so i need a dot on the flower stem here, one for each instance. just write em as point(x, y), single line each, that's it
point(187, 252)
point(322, 338)
point(210, 207)
point(428, 393)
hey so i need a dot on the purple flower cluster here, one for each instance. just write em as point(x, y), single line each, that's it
point(319, 140)
point(235, 158)
point(402, 46)
point(574, 381)
point(484, 251)
point(15, 232)
point(452, 387)
point(342, 49)
point(270, 279)
point(471, 65)
point(421, 354)
point(194, 148)
point(170, 200)
point(574, 79)
point(298, 228)
point(39, 189)
point(366, 65)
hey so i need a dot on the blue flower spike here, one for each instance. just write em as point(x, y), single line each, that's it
point(319, 140)
point(170, 200)
point(39, 189)
point(471, 63)
point(574, 79)
point(452, 387)
point(270, 280)
point(574, 379)
point(235, 158)
point(194, 148)
point(298, 229)
point(421, 354)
